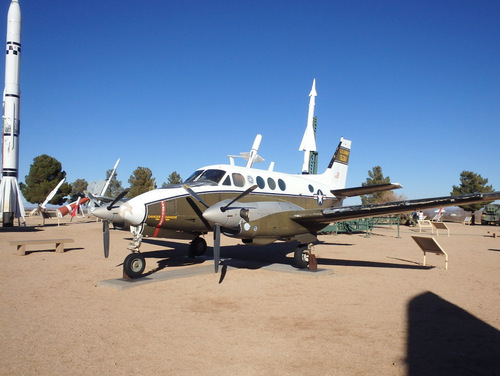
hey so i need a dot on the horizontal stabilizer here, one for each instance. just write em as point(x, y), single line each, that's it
point(357, 191)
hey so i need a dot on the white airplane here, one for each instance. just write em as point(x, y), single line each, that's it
point(257, 206)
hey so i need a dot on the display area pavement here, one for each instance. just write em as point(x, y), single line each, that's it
point(185, 272)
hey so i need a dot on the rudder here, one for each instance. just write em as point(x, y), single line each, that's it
point(336, 171)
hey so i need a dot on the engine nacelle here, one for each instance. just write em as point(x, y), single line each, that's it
point(269, 220)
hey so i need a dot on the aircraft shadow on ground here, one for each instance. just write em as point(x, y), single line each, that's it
point(240, 256)
point(444, 339)
point(372, 264)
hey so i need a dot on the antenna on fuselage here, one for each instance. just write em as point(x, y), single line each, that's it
point(308, 144)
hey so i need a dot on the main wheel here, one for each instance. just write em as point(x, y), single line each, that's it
point(134, 265)
point(301, 257)
point(197, 247)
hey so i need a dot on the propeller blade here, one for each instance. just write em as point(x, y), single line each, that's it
point(105, 237)
point(216, 247)
point(243, 194)
point(198, 212)
point(193, 193)
point(118, 198)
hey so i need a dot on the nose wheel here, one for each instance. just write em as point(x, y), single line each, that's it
point(134, 265)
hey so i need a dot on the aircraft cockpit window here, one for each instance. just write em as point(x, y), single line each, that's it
point(212, 175)
point(238, 180)
point(194, 176)
point(281, 184)
point(271, 183)
point(260, 182)
point(227, 181)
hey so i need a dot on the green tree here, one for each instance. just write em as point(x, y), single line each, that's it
point(376, 177)
point(141, 181)
point(470, 183)
point(173, 178)
point(78, 189)
point(115, 185)
point(45, 173)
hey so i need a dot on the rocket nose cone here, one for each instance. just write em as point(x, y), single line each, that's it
point(14, 11)
point(313, 90)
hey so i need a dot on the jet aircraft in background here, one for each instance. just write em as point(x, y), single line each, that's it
point(257, 206)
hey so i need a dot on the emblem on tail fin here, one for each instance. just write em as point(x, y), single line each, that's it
point(342, 153)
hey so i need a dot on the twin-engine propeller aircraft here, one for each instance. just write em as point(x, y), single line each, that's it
point(257, 206)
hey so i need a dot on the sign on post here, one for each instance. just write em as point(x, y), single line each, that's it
point(427, 244)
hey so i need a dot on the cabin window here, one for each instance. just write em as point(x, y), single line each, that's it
point(260, 182)
point(195, 175)
point(281, 184)
point(238, 180)
point(227, 181)
point(212, 175)
point(311, 188)
point(271, 183)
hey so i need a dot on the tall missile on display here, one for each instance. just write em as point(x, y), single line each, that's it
point(308, 144)
point(11, 205)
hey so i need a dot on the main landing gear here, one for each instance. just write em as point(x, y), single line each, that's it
point(135, 263)
point(197, 247)
point(303, 257)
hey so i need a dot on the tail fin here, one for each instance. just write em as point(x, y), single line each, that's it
point(336, 173)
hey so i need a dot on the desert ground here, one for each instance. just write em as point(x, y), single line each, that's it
point(378, 312)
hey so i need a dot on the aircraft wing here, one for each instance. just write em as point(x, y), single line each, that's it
point(334, 214)
point(357, 191)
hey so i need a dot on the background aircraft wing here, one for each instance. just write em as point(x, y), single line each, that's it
point(357, 191)
point(324, 216)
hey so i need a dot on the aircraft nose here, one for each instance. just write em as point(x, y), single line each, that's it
point(133, 211)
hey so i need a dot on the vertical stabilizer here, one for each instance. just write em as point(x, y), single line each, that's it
point(336, 173)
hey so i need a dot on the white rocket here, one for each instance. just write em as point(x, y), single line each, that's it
point(10, 198)
point(308, 143)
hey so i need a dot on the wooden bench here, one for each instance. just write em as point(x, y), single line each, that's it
point(21, 244)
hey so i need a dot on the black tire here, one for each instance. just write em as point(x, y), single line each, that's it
point(198, 247)
point(134, 265)
point(301, 257)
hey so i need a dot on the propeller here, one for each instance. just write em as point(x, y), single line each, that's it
point(118, 198)
point(105, 222)
point(105, 237)
point(243, 194)
point(195, 195)
point(216, 247)
point(216, 227)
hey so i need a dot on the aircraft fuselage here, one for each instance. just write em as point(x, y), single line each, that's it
point(172, 212)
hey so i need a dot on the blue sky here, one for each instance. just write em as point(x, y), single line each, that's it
point(176, 85)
